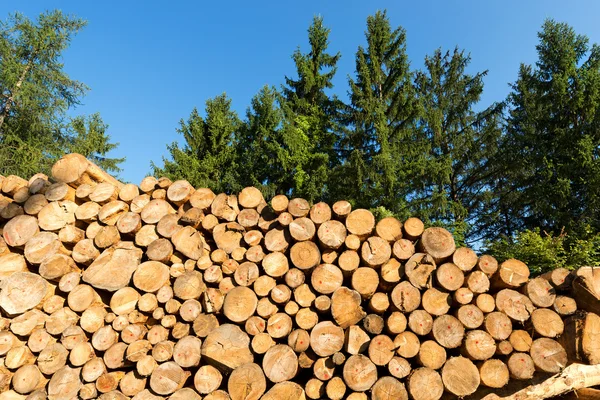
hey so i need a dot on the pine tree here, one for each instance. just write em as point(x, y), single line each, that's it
point(309, 128)
point(383, 108)
point(552, 144)
point(452, 188)
point(208, 157)
point(36, 93)
point(259, 144)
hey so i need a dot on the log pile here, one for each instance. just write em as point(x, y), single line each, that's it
point(118, 291)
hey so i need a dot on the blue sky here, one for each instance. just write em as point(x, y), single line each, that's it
point(149, 63)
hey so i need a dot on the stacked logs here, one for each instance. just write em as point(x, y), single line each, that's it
point(118, 291)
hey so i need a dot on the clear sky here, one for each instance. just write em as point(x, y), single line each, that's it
point(149, 62)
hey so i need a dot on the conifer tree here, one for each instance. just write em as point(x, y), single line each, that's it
point(309, 128)
point(452, 188)
point(377, 142)
point(260, 144)
point(208, 157)
point(552, 144)
point(87, 135)
point(36, 93)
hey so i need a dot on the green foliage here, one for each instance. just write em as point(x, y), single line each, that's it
point(308, 133)
point(36, 93)
point(544, 252)
point(421, 143)
point(260, 151)
point(541, 252)
point(460, 144)
point(87, 136)
point(551, 149)
point(208, 157)
point(377, 145)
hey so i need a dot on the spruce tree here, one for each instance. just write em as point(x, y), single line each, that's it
point(208, 157)
point(377, 140)
point(552, 144)
point(87, 136)
point(452, 187)
point(309, 130)
point(259, 144)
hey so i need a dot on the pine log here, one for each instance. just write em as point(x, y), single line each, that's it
point(247, 382)
point(75, 170)
point(280, 363)
point(419, 269)
point(388, 388)
point(511, 274)
point(425, 384)
point(548, 355)
point(359, 373)
point(460, 376)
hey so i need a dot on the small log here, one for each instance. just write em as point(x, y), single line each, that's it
point(579, 339)
point(19, 230)
point(478, 345)
point(460, 376)
point(280, 363)
point(449, 276)
point(407, 344)
point(403, 249)
point(332, 234)
point(360, 222)
point(546, 322)
point(565, 305)
point(478, 282)
point(406, 297)
point(60, 191)
point(375, 251)
point(548, 355)
point(420, 322)
point(22, 291)
point(486, 302)
point(64, 384)
point(540, 292)
point(320, 213)
point(514, 304)
point(498, 325)
point(356, 341)
point(113, 269)
point(284, 390)
point(559, 278)
point(365, 281)
point(327, 278)
point(227, 347)
point(470, 316)
point(168, 378)
point(448, 331)
point(487, 264)
point(494, 374)
point(346, 307)
point(246, 382)
point(511, 274)
point(359, 373)
point(387, 388)
point(207, 379)
point(425, 384)
point(431, 355)
point(419, 269)
point(436, 302)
